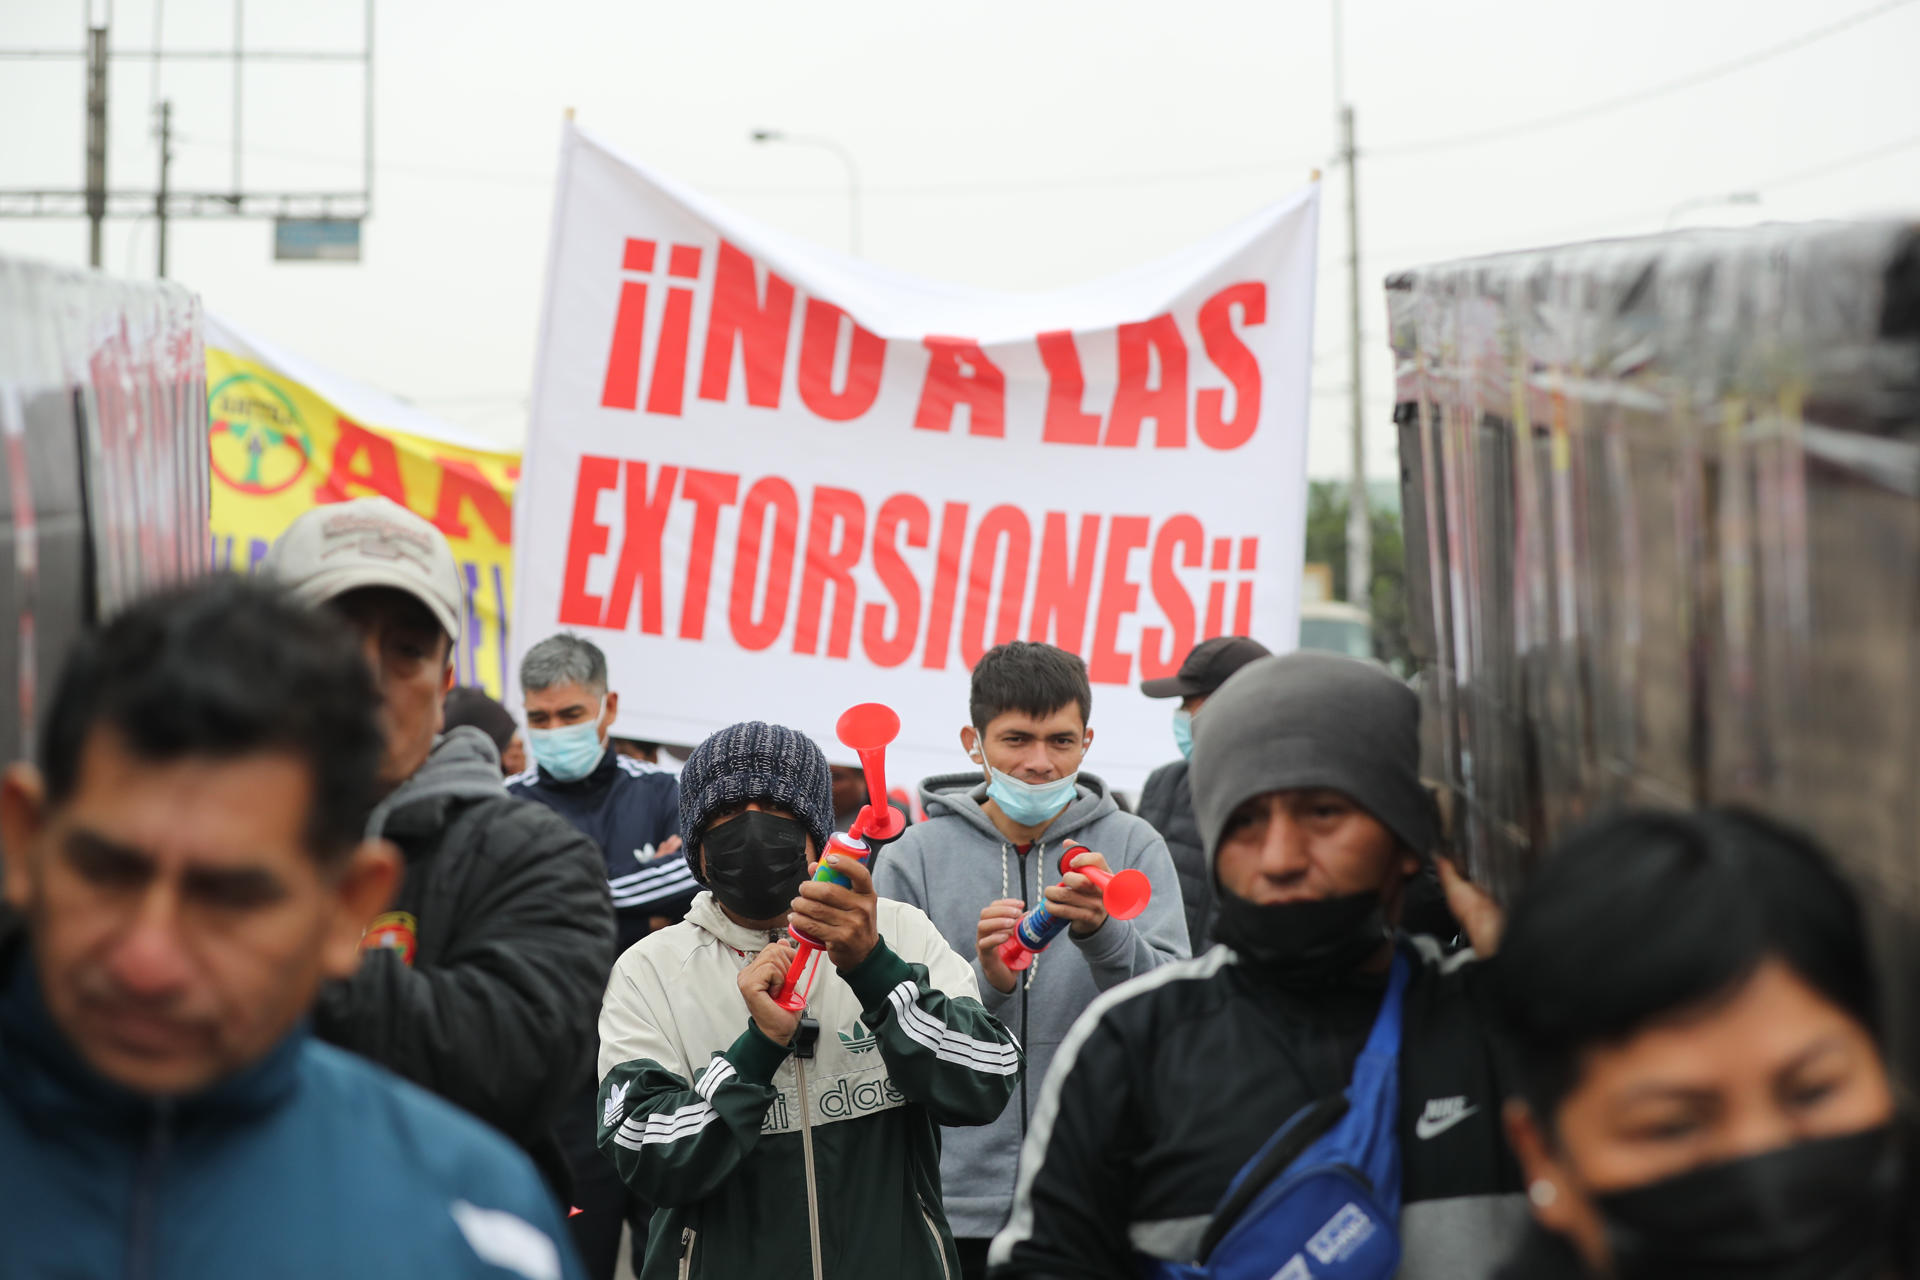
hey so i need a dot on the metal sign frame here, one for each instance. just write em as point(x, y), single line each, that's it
point(96, 202)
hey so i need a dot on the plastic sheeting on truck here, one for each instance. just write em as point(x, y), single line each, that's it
point(1663, 538)
point(103, 463)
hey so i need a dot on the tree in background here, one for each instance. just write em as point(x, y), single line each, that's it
point(1387, 594)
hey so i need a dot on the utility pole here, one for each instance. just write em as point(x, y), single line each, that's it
point(96, 139)
point(239, 69)
point(160, 198)
point(1359, 523)
point(294, 211)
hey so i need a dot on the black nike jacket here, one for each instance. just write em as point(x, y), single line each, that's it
point(1167, 1086)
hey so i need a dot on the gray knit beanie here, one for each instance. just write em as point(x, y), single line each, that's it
point(1310, 719)
point(755, 761)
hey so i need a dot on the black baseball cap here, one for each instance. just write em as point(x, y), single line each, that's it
point(1207, 667)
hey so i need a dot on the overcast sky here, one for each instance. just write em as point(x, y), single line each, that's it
point(1006, 145)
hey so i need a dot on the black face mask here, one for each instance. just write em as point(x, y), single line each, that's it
point(1820, 1210)
point(1308, 942)
point(755, 863)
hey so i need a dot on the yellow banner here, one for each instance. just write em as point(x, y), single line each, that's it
point(279, 449)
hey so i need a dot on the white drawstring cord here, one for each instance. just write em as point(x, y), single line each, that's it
point(806, 1151)
point(1005, 850)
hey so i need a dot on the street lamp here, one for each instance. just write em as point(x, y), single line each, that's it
point(1711, 202)
point(853, 173)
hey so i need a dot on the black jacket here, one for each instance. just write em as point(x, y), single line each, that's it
point(628, 809)
point(1167, 803)
point(1169, 1085)
point(483, 983)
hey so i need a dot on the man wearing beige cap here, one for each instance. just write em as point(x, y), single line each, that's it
point(483, 981)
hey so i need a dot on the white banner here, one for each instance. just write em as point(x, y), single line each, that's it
point(772, 481)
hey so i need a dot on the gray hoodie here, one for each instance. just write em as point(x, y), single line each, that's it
point(954, 864)
point(463, 765)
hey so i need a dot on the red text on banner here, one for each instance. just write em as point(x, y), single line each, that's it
point(999, 573)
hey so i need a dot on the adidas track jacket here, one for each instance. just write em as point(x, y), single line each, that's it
point(701, 1113)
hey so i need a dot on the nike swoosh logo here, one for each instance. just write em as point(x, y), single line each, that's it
point(1427, 1127)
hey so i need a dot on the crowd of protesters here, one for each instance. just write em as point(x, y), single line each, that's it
point(301, 975)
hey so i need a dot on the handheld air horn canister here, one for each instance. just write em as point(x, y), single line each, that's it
point(867, 728)
point(805, 968)
point(1126, 894)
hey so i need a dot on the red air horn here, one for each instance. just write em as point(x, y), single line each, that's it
point(867, 728)
point(1126, 893)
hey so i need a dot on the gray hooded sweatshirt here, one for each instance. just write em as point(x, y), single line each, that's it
point(954, 864)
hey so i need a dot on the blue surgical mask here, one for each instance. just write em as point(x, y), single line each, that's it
point(569, 753)
point(1030, 803)
point(1183, 731)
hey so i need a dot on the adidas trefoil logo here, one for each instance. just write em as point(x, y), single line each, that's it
point(861, 1041)
point(616, 1102)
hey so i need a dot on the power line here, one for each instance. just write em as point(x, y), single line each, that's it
point(1557, 235)
point(963, 187)
point(1401, 252)
point(1175, 177)
point(385, 166)
point(1621, 101)
point(1845, 162)
point(1169, 177)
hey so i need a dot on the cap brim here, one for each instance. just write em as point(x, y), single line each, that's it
point(1169, 687)
point(331, 585)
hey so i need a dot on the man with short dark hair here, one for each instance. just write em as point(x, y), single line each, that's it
point(1167, 799)
point(989, 850)
point(770, 1138)
point(482, 981)
point(631, 811)
point(189, 864)
point(468, 705)
point(1306, 785)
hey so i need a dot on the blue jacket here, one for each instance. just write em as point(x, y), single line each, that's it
point(312, 1164)
point(629, 809)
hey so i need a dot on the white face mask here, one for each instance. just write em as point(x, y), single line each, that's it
point(1030, 803)
point(571, 752)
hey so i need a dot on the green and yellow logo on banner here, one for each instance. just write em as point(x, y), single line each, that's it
point(278, 449)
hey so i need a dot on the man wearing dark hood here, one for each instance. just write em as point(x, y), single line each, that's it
point(1306, 787)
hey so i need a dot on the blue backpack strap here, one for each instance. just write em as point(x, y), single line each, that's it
point(1374, 1090)
point(1276, 1155)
